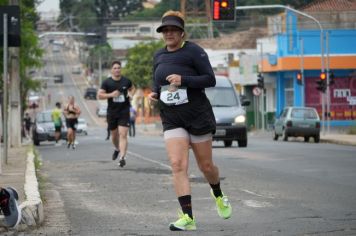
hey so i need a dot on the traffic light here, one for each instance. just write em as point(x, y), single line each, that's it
point(331, 78)
point(224, 10)
point(321, 83)
point(299, 78)
point(260, 81)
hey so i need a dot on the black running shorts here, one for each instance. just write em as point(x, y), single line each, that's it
point(57, 128)
point(122, 120)
point(72, 123)
point(195, 117)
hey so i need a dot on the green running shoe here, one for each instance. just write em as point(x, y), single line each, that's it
point(223, 205)
point(184, 223)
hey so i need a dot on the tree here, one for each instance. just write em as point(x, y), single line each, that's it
point(140, 63)
point(30, 51)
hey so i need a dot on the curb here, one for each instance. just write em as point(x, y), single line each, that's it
point(340, 142)
point(32, 208)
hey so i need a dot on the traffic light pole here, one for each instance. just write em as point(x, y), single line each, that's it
point(327, 82)
point(302, 69)
point(262, 96)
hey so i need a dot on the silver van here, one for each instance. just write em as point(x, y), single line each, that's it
point(229, 113)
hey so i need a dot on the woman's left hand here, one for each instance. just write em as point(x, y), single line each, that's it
point(174, 79)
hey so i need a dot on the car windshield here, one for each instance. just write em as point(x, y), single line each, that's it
point(300, 113)
point(44, 117)
point(221, 96)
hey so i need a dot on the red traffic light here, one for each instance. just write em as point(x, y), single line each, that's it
point(224, 10)
point(224, 4)
point(323, 76)
point(299, 76)
point(216, 10)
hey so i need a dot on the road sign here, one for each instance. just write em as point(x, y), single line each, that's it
point(256, 91)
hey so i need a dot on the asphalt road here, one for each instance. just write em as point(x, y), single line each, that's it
point(276, 188)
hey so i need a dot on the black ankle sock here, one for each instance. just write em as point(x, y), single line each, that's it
point(216, 189)
point(186, 205)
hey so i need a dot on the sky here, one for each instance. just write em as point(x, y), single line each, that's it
point(48, 5)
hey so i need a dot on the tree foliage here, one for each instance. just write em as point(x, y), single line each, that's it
point(140, 63)
point(91, 15)
point(30, 51)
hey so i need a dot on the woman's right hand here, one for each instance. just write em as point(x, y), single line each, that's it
point(153, 97)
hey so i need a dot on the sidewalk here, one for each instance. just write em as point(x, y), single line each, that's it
point(20, 173)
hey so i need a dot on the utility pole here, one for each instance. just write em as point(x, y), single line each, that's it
point(5, 76)
point(15, 101)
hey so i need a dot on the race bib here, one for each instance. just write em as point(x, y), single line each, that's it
point(120, 98)
point(172, 95)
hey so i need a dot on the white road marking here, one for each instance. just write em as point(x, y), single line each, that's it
point(256, 204)
point(255, 194)
point(156, 162)
point(149, 160)
point(195, 199)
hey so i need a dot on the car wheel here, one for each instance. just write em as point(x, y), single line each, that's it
point(285, 136)
point(306, 139)
point(242, 143)
point(275, 136)
point(317, 138)
point(85, 133)
point(228, 143)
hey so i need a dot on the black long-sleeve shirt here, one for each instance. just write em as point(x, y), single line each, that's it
point(191, 62)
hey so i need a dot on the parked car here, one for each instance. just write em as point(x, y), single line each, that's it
point(58, 79)
point(229, 113)
point(76, 69)
point(297, 122)
point(82, 127)
point(43, 128)
point(90, 93)
point(101, 110)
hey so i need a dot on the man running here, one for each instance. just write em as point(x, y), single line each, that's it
point(117, 89)
point(71, 112)
point(57, 120)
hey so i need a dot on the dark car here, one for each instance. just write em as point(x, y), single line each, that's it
point(90, 93)
point(298, 122)
point(229, 113)
point(58, 79)
point(43, 128)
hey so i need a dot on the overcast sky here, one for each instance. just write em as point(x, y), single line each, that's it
point(48, 5)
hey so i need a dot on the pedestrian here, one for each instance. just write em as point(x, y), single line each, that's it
point(27, 124)
point(9, 206)
point(117, 89)
point(132, 128)
point(71, 113)
point(57, 120)
point(181, 73)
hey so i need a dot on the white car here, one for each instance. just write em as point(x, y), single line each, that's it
point(101, 110)
point(82, 127)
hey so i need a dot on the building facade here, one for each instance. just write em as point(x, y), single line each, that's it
point(302, 47)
